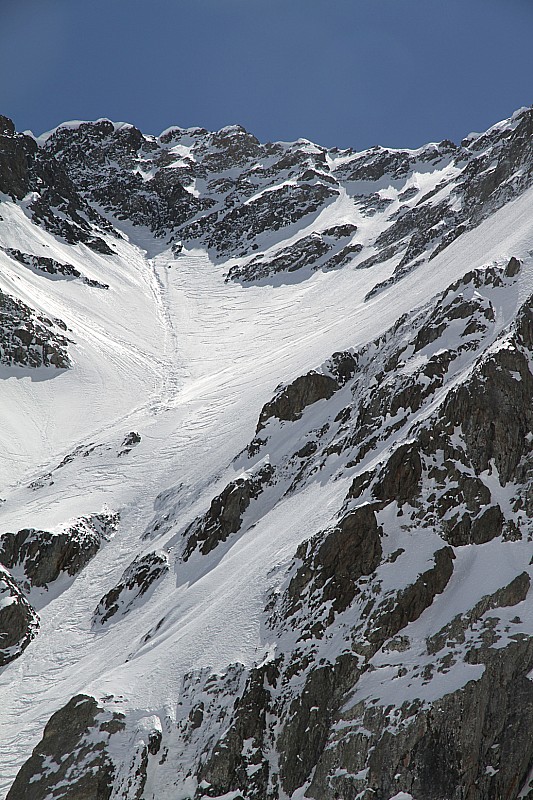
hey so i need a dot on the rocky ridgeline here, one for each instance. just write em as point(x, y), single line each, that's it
point(225, 514)
point(26, 172)
point(260, 205)
point(351, 584)
point(41, 557)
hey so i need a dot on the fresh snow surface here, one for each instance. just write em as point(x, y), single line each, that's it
point(187, 360)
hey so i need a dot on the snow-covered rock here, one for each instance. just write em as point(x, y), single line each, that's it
point(306, 395)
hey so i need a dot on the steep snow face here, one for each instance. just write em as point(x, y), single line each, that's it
point(260, 401)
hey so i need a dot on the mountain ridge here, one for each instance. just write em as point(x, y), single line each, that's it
point(317, 590)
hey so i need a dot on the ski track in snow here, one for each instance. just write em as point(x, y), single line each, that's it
point(174, 352)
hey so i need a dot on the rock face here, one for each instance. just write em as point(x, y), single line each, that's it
point(442, 752)
point(400, 480)
point(31, 561)
point(41, 557)
point(305, 252)
point(497, 420)
point(18, 621)
point(272, 210)
point(130, 441)
point(228, 192)
point(238, 757)
point(291, 400)
point(71, 760)
point(16, 154)
point(332, 565)
point(25, 170)
point(29, 340)
point(408, 604)
point(338, 731)
point(224, 516)
point(137, 579)
point(103, 160)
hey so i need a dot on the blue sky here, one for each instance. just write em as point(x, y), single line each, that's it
point(339, 72)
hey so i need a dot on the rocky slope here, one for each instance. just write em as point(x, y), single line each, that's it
point(217, 585)
point(228, 192)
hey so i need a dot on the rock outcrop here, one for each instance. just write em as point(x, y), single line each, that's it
point(332, 564)
point(41, 557)
point(135, 582)
point(28, 339)
point(291, 400)
point(51, 267)
point(225, 513)
point(71, 761)
point(18, 620)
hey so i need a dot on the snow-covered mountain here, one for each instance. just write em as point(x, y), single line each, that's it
point(267, 466)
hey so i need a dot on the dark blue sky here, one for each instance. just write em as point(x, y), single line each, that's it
point(339, 72)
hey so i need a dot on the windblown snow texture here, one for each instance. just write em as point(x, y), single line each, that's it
point(267, 466)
